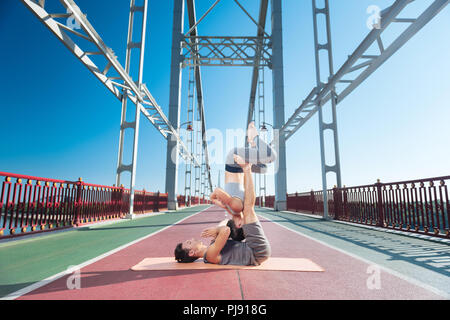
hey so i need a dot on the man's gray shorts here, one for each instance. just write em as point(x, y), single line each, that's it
point(257, 241)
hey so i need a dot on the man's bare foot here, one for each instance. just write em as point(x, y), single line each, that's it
point(252, 133)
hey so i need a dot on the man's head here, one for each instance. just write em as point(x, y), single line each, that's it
point(236, 232)
point(189, 251)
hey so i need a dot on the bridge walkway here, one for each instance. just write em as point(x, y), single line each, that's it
point(359, 263)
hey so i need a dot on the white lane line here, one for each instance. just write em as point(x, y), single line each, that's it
point(39, 284)
point(388, 270)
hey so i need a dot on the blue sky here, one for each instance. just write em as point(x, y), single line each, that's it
point(58, 121)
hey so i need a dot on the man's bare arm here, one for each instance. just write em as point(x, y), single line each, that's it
point(249, 195)
point(249, 192)
point(212, 232)
point(213, 252)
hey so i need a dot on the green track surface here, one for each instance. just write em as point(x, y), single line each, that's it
point(26, 261)
point(423, 260)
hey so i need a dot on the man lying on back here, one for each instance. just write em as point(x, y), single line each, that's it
point(222, 250)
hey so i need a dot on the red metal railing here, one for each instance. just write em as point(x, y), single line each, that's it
point(145, 201)
point(270, 201)
point(420, 206)
point(181, 201)
point(91, 202)
point(33, 204)
point(310, 202)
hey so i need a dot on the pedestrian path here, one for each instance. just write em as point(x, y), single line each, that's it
point(353, 270)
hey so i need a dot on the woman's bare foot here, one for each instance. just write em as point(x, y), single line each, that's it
point(238, 220)
point(219, 203)
point(240, 161)
point(252, 133)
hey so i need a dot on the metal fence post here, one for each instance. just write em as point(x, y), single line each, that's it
point(156, 205)
point(344, 204)
point(337, 199)
point(78, 203)
point(144, 203)
point(122, 193)
point(379, 204)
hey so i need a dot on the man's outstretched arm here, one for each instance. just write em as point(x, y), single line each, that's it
point(249, 194)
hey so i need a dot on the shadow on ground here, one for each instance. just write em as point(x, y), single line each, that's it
point(427, 254)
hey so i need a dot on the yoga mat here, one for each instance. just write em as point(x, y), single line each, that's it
point(278, 264)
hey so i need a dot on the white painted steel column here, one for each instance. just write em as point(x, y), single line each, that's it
point(278, 105)
point(135, 124)
point(174, 104)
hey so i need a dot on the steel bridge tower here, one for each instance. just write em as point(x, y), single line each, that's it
point(190, 49)
point(256, 52)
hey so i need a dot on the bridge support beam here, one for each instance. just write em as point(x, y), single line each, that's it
point(174, 104)
point(278, 105)
point(135, 124)
point(336, 168)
